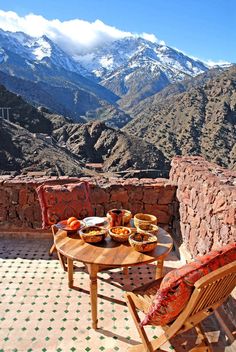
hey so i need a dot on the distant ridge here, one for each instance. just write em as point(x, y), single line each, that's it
point(195, 118)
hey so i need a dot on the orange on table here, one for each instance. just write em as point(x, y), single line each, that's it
point(75, 224)
point(71, 219)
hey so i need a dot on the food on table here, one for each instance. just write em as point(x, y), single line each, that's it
point(72, 218)
point(141, 237)
point(93, 234)
point(73, 223)
point(150, 228)
point(127, 216)
point(120, 231)
point(144, 219)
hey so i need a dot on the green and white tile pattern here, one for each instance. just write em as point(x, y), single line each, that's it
point(38, 312)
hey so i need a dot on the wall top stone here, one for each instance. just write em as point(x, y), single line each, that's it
point(210, 172)
point(103, 182)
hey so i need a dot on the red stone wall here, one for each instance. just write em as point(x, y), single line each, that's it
point(19, 206)
point(207, 204)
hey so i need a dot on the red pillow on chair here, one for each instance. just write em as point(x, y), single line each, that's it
point(177, 286)
point(59, 202)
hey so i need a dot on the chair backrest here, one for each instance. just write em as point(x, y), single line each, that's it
point(212, 290)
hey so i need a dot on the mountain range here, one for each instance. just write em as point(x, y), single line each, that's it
point(97, 85)
point(131, 104)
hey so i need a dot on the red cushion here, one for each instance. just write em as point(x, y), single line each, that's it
point(177, 286)
point(59, 202)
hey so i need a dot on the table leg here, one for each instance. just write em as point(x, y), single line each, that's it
point(93, 270)
point(70, 272)
point(159, 269)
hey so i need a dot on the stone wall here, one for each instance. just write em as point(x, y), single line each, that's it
point(207, 204)
point(20, 209)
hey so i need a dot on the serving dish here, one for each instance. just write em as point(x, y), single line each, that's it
point(120, 233)
point(148, 228)
point(62, 225)
point(143, 242)
point(94, 221)
point(144, 220)
point(93, 234)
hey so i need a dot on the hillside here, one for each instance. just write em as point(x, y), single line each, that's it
point(23, 113)
point(22, 151)
point(118, 151)
point(200, 121)
point(36, 140)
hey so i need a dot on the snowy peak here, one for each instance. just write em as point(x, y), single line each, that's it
point(25, 45)
point(137, 68)
point(109, 58)
point(123, 54)
point(41, 50)
point(133, 52)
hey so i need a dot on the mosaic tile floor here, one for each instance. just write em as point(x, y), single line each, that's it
point(38, 312)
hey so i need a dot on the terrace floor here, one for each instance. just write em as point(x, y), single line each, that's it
point(38, 312)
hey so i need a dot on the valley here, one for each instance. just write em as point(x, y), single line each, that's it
point(129, 106)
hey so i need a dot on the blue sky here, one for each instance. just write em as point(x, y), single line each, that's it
point(201, 28)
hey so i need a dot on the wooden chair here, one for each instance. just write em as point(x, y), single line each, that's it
point(209, 293)
point(53, 248)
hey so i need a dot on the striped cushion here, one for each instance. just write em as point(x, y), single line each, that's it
point(177, 286)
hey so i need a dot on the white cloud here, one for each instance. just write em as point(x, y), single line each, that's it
point(74, 36)
point(151, 37)
point(210, 63)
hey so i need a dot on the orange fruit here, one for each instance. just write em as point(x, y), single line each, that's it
point(69, 221)
point(74, 225)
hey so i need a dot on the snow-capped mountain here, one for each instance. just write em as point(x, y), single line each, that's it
point(135, 52)
point(40, 50)
point(134, 68)
point(108, 81)
point(45, 75)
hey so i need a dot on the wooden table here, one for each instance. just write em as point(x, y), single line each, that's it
point(107, 254)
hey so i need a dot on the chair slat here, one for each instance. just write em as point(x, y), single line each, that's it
point(215, 291)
